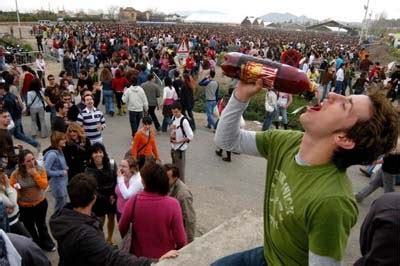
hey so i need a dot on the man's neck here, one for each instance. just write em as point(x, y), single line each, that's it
point(315, 151)
point(84, 210)
point(3, 126)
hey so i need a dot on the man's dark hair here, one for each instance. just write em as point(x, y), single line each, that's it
point(372, 137)
point(59, 105)
point(133, 81)
point(81, 190)
point(150, 76)
point(50, 76)
point(155, 178)
point(147, 120)
point(176, 105)
point(212, 73)
point(2, 111)
point(173, 168)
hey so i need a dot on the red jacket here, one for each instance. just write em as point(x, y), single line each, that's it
point(157, 224)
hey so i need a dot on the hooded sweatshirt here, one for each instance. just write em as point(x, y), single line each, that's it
point(81, 242)
point(135, 99)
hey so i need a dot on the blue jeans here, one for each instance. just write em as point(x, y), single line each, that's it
point(108, 96)
point(166, 122)
point(268, 120)
point(18, 133)
point(210, 113)
point(134, 119)
point(251, 257)
point(326, 89)
point(339, 87)
point(282, 112)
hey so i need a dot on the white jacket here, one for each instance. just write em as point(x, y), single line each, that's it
point(135, 99)
point(270, 101)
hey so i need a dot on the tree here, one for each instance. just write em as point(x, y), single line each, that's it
point(112, 11)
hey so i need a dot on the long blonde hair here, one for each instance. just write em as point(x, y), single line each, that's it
point(79, 130)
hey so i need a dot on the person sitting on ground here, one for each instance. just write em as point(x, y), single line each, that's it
point(80, 239)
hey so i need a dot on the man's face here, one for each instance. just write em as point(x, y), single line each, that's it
point(171, 178)
point(64, 110)
point(5, 119)
point(337, 114)
point(67, 100)
point(52, 81)
point(176, 112)
point(89, 101)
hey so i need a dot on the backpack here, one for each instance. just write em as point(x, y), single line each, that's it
point(181, 126)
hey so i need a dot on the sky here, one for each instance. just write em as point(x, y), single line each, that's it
point(343, 10)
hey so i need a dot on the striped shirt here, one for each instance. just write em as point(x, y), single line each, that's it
point(89, 120)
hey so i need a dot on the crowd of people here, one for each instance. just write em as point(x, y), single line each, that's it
point(119, 66)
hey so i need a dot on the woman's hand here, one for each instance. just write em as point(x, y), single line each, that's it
point(170, 254)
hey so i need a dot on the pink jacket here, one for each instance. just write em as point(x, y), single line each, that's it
point(157, 224)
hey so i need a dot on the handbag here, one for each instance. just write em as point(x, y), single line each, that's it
point(127, 239)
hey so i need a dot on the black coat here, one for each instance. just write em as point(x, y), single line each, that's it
point(76, 156)
point(81, 242)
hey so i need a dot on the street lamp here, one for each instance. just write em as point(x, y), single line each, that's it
point(19, 22)
point(364, 22)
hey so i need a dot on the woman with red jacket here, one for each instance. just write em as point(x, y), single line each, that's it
point(119, 83)
point(157, 223)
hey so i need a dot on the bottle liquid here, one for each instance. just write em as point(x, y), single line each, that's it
point(275, 75)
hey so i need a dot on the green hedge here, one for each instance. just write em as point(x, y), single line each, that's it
point(256, 109)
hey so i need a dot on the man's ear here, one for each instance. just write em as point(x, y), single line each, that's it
point(344, 142)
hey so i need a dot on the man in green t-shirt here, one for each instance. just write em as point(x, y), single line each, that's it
point(309, 206)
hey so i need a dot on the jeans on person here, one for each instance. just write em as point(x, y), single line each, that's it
point(38, 113)
point(251, 257)
point(282, 111)
point(166, 122)
point(379, 178)
point(326, 89)
point(339, 87)
point(18, 133)
point(108, 100)
point(154, 117)
point(210, 113)
point(268, 120)
point(134, 120)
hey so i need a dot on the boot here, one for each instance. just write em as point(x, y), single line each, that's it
point(228, 157)
point(276, 125)
point(119, 111)
point(124, 109)
point(285, 126)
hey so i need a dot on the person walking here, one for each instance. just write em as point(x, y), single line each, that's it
point(152, 91)
point(136, 103)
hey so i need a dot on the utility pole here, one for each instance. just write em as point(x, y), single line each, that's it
point(19, 22)
point(364, 22)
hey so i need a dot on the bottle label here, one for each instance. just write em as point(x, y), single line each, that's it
point(252, 71)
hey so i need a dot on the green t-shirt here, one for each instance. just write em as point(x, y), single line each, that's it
point(306, 208)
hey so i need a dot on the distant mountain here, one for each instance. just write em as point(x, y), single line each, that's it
point(287, 17)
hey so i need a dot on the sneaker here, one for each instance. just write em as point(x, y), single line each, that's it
point(365, 172)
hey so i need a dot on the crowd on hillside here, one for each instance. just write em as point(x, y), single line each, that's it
point(136, 70)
